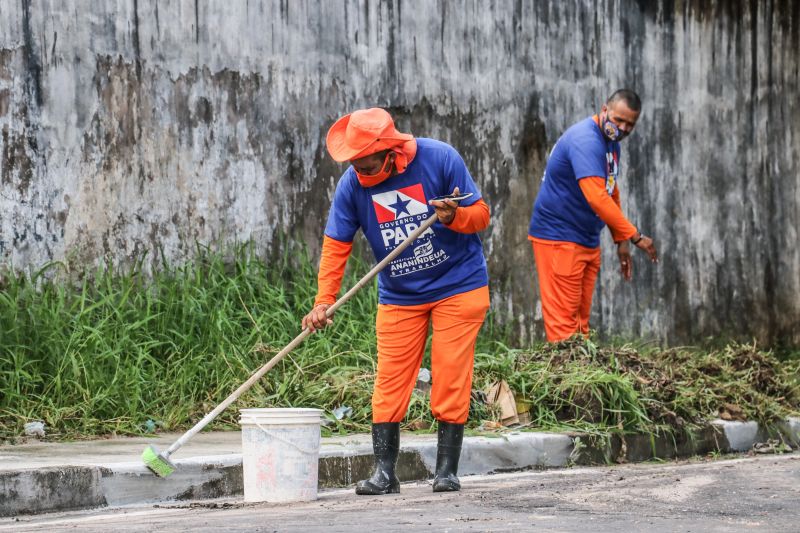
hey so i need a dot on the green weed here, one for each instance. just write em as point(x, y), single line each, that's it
point(125, 351)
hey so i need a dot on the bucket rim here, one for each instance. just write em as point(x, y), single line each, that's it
point(280, 410)
point(280, 415)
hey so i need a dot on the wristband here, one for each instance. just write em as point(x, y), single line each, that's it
point(641, 236)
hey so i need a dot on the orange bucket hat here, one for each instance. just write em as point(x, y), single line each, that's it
point(362, 133)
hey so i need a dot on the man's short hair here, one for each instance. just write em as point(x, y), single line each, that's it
point(628, 96)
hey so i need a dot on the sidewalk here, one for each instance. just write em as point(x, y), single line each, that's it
point(44, 477)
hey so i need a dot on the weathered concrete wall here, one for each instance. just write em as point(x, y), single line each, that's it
point(137, 125)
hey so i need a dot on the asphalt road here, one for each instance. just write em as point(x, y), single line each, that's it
point(745, 494)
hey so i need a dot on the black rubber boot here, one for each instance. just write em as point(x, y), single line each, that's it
point(386, 446)
point(447, 455)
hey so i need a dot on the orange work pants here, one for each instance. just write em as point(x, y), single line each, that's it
point(402, 331)
point(567, 273)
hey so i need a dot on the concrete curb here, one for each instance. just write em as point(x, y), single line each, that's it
point(50, 489)
point(717, 436)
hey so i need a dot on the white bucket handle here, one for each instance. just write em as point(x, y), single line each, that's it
point(285, 441)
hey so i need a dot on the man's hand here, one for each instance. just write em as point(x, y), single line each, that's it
point(625, 260)
point(316, 319)
point(446, 210)
point(646, 243)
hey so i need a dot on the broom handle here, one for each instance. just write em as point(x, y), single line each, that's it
point(300, 338)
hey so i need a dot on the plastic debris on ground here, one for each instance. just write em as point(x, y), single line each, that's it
point(35, 429)
point(342, 412)
point(423, 380)
point(771, 446)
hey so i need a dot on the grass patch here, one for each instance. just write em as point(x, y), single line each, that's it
point(125, 352)
point(121, 352)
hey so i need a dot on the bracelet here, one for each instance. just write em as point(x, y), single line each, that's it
point(641, 236)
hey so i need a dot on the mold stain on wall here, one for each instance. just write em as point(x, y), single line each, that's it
point(144, 128)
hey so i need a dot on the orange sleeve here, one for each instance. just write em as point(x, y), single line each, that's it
point(331, 269)
point(471, 219)
point(607, 207)
point(615, 197)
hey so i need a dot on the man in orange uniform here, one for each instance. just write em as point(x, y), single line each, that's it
point(578, 197)
point(441, 279)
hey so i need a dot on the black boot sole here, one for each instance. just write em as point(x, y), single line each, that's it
point(368, 489)
point(446, 485)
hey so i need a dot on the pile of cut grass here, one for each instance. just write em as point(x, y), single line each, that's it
point(125, 352)
point(582, 385)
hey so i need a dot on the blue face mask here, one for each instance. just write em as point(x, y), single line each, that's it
point(612, 131)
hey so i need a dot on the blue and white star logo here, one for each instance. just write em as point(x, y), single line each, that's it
point(400, 207)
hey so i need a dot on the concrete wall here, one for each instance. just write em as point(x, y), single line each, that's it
point(136, 126)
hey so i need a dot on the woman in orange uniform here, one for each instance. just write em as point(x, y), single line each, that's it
point(440, 280)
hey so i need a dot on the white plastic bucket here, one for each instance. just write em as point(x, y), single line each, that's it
point(280, 454)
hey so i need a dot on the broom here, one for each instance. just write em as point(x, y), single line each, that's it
point(160, 464)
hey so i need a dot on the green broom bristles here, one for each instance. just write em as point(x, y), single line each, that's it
point(161, 466)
